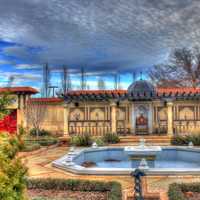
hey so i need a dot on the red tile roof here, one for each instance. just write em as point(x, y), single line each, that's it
point(179, 90)
point(78, 92)
point(28, 90)
point(160, 91)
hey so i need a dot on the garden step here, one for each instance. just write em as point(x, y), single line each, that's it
point(148, 139)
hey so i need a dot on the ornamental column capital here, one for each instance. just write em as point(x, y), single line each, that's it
point(169, 103)
point(113, 104)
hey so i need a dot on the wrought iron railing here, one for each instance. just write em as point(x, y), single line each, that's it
point(95, 128)
point(186, 126)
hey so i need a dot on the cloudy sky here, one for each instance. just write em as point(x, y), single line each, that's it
point(103, 36)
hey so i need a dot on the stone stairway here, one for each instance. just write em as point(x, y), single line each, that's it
point(161, 140)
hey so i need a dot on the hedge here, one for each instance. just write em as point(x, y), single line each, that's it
point(184, 140)
point(113, 188)
point(176, 191)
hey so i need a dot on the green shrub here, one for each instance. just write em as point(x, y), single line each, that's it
point(184, 140)
point(47, 140)
point(176, 191)
point(12, 171)
point(111, 138)
point(81, 140)
point(39, 141)
point(113, 188)
point(30, 146)
point(42, 132)
point(99, 142)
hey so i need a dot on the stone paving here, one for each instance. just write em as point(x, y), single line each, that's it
point(39, 164)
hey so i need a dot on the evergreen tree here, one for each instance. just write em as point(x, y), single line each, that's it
point(12, 171)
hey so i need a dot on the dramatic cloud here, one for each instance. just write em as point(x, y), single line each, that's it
point(92, 33)
point(100, 35)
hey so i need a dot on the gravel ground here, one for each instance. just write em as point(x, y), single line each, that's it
point(67, 195)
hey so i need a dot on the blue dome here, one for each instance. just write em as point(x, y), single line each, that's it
point(141, 87)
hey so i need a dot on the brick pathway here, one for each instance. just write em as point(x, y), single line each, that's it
point(39, 164)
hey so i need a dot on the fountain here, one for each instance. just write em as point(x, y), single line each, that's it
point(143, 164)
point(142, 149)
point(69, 161)
point(94, 145)
point(142, 153)
point(72, 151)
point(190, 144)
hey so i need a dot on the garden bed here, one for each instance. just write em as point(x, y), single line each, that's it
point(78, 189)
point(35, 143)
point(38, 194)
point(184, 191)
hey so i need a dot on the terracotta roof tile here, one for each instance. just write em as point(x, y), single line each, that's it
point(78, 92)
point(28, 90)
point(179, 90)
point(159, 90)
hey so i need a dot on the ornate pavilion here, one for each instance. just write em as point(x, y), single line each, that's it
point(142, 109)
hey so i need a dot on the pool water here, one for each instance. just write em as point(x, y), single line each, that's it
point(117, 161)
point(118, 158)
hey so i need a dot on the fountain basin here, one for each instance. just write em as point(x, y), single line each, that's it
point(169, 161)
point(142, 150)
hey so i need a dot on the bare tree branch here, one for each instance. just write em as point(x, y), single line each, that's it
point(35, 113)
point(182, 69)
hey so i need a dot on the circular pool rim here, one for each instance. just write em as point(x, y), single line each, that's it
point(80, 170)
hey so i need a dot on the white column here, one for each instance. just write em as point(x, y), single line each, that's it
point(113, 118)
point(150, 119)
point(169, 118)
point(20, 112)
point(66, 120)
point(133, 119)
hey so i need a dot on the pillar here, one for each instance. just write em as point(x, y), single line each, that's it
point(169, 118)
point(66, 120)
point(20, 112)
point(133, 119)
point(150, 119)
point(113, 118)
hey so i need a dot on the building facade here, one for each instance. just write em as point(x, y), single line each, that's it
point(142, 109)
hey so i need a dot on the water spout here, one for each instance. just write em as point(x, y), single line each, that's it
point(190, 144)
point(143, 164)
point(94, 145)
point(69, 161)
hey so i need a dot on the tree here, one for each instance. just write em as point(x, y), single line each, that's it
point(101, 84)
point(12, 171)
point(5, 100)
point(35, 112)
point(182, 69)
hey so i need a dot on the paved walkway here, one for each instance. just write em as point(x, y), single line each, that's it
point(39, 164)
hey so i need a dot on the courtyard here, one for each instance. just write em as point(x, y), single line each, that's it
point(39, 163)
point(99, 100)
